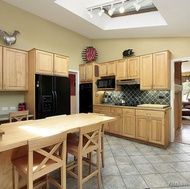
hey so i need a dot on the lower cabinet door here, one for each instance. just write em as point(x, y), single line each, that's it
point(156, 131)
point(142, 128)
point(129, 126)
point(116, 126)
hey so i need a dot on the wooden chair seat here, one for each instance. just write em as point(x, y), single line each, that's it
point(45, 155)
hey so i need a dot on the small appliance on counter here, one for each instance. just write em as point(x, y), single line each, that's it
point(21, 106)
point(105, 98)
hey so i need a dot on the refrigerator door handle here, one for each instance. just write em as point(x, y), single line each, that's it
point(55, 92)
point(53, 96)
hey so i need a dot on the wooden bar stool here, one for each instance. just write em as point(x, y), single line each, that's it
point(18, 115)
point(42, 160)
point(87, 142)
point(102, 139)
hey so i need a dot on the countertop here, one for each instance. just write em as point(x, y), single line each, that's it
point(17, 133)
point(149, 107)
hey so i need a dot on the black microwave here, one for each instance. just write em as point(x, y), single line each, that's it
point(106, 83)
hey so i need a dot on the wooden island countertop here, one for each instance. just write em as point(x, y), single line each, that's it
point(16, 134)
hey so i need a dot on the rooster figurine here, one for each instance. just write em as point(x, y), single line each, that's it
point(9, 39)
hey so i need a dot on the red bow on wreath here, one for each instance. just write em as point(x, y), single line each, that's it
point(89, 54)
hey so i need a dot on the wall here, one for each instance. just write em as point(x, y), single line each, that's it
point(111, 49)
point(10, 99)
point(41, 34)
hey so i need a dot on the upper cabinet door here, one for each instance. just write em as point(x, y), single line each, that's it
point(15, 69)
point(146, 76)
point(103, 69)
point(111, 68)
point(44, 62)
point(89, 72)
point(1, 67)
point(121, 69)
point(82, 71)
point(60, 65)
point(133, 68)
point(161, 70)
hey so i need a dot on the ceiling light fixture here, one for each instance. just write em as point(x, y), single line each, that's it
point(118, 6)
point(90, 13)
point(111, 11)
point(101, 12)
point(122, 9)
point(137, 5)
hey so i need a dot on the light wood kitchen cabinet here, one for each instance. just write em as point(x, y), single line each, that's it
point(161, 70)
point(103, 110)
point(88, 72)
point(149, 125)
point(133, 68)
point(116, 127)
point(49, 63)
point(107, 69)
point(127, 68)
point(129, 123)
point(61, 65)
point(155, 71)
point(153, 126)
point(43, 62)
point(1, 67)
point(146, 70)
point(15, 69)
point(121, 69)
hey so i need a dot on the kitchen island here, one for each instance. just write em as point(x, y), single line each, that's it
point(14, 141)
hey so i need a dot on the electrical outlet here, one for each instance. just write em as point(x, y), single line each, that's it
point(4, 108)
point(12, 108)
point(161, 97)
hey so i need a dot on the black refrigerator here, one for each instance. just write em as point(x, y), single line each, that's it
point(85, 98)
point(52, 96)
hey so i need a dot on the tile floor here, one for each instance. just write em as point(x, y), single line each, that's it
point(131, 165)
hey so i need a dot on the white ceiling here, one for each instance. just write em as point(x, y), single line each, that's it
point(171, 20)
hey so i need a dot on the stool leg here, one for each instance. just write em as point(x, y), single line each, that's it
point(80, 166)
point(98, 168)
point(16, 178)
point(102, 150)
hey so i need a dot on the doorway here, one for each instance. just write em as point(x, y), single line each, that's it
point(74, 91)
point(181, 102)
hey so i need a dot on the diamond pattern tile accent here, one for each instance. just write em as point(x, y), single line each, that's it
point(133, 95)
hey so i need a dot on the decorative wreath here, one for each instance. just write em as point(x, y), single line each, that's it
point(89, 54)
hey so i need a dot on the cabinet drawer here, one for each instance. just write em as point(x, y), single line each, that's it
point(150, 113)
point(116, 110)
point(128, 111)
point(99, 109)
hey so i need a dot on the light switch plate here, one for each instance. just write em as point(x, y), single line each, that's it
point(4, 108)
point(12, 108)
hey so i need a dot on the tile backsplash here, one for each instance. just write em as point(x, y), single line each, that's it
point(133, 95)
